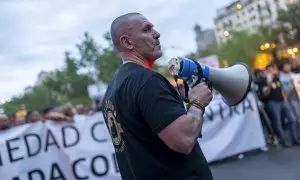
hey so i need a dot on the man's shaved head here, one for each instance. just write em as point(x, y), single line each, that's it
point(120, 26)
point(133, 35)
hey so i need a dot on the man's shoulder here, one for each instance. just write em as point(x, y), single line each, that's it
point(145, 75)
point(263, 81)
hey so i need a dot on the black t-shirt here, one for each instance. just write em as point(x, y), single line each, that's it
point(138, 104)
point(276, 90)
point(261, 83)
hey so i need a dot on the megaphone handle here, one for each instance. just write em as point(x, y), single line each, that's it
point(186, 91)
point(200, 73)
point(209, 84)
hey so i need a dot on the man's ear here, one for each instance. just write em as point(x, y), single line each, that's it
point(126, 42)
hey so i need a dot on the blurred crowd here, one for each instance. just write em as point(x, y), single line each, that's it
point(66, 112)
point(277, 97)
point(278, 102)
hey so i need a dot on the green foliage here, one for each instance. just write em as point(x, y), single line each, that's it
point(289, 20)
point(243, 46)
point(107, 64)
point(70, 84)
point(37, 99)
point(162, 70)
point(95, 63)
point(193, 56)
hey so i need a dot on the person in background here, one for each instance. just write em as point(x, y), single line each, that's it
point(272, 89)
point(289, 87)
point(80, 109)
point(33, 116)
point(259, 79)
point(4, 122)
point(54, 113)
point(81, 112)
point(98, 106)
point(68, 111)
point(20, 115)
point(295, 66)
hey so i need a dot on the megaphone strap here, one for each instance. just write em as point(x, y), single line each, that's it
point(200, 73)
point(186, 89)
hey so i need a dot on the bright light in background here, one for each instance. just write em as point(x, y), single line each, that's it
point(295, 50)
point(239, 6)
point(226, 33)
point(290, 51)
point(267, 45)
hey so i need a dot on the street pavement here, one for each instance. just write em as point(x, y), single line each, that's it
point(276, 164)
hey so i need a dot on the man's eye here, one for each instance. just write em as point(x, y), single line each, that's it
point(147, 29)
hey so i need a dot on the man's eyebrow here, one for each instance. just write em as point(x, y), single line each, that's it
point(146, 25)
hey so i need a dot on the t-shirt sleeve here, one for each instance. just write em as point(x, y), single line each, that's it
point(159, 103)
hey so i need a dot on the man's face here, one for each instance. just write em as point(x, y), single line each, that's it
point(3, 123)
point(287, 67)
point(34, 116)
point(274, 70)
point(145, 39)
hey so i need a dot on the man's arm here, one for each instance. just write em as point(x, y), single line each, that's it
point(182, 134)
point(266, 91)
point(165, 113)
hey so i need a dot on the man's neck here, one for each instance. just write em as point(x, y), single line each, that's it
point(132, 58)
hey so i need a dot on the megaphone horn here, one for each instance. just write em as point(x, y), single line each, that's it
point(233, 83)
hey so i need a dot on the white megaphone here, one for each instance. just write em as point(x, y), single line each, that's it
point(233, 83)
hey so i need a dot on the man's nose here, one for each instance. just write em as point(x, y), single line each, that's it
point(156, 34)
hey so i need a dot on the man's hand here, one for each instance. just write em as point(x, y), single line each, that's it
point(201, 93)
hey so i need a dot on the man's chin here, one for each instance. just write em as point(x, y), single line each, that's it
point(157, 55)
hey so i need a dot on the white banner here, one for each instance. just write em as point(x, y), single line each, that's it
point(229, 131)
point(83, 150)
point(296, 79)
point(68, 151)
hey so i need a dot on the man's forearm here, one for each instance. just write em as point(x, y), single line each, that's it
point(195, 116)
point(266, 91)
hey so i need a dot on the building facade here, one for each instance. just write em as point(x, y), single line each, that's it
point(246, 15)
point(205, 39)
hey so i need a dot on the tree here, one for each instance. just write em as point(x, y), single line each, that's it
point(38, 98)
point(108, 61)
point(89, 52)
point(242, 46)
point(101, 63)
point(289, 20)
point(68, 82)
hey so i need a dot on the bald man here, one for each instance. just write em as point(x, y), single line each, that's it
point(154, 136)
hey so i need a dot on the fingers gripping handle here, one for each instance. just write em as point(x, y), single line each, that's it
point(189, 71)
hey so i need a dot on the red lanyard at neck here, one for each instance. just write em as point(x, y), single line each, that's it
point(149, 64)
